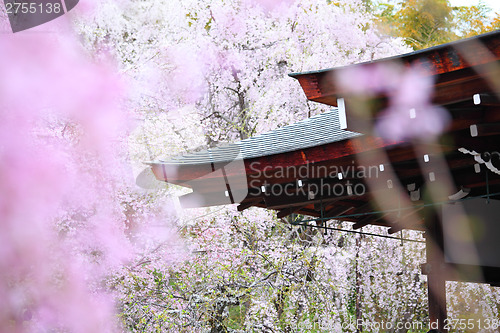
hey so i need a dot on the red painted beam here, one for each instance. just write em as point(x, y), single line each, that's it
point(321, 86)
point(259, 168)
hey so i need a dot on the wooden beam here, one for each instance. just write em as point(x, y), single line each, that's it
point(446, 62)
point(370, 219)
point(485, 99)
point(468, 273)
point(287, 200)
point(260, 169)
point(479, 130)
point(337, 211)
point(247, 203)
point(436, 283)
point(288, 211)
point(455, 92)
point(400, 226)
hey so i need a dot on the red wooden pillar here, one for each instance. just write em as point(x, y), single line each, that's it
point(436, 279)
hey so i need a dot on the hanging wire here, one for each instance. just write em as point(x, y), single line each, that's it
point(305, 223)
point(359, 232)
point(488, 195)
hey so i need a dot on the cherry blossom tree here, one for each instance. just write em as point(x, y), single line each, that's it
point(224, 65)
point(65, 186)
point(83, 248)
point(226, 62)
point(60, 228)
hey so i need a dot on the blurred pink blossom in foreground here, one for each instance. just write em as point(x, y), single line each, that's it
point(61, 229)
point(410, 112)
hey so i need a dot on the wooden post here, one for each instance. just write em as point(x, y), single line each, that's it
point(436, 280)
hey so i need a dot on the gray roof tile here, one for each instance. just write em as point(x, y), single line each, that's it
point(318, 130)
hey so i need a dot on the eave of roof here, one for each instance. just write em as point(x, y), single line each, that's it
point(318, 130)
point(456, 67)
point(408, 56)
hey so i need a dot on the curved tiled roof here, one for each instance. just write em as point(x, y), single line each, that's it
point(321, 129)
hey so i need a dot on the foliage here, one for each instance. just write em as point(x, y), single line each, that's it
point(426, 23)
point(251, 273)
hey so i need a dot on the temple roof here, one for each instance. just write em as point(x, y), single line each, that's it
point(317, 130)
point(466, 84)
